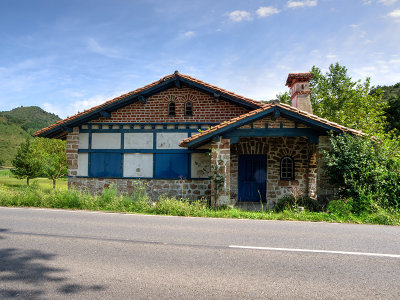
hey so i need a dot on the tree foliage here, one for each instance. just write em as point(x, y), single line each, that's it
point(336, 97)
point(365, 171)
point(40, 157)
point(284, 98)
point(27, 164)
point(53, 156)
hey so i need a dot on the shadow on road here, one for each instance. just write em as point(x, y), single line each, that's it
point(31, 269)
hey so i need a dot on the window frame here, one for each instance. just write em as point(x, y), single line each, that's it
point(172, 111)
point(191, 109)
point(290, 173)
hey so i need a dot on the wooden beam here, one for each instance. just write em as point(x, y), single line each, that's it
point(216, 97)
point(178, 83)
point(104, 114)
point(276, 114)
point(142, 99)
point(66, 129)
point(309, 133)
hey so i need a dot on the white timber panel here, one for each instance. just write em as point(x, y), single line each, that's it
point(200, 165)
point(106, 140)
point(138, 165)
point(139, 140)
point(84, 141)
point(83, 164)
point(170, 140)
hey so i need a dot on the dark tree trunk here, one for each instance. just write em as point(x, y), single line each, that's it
point(54, 184)
point(27, 181)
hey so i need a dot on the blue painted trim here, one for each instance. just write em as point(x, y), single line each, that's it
point(165, 151)
point(90, 140)
point(136, 130)
point(154, 148)
point(197, 178)
point(275, 132)
point(190, 165)
point(317, 125)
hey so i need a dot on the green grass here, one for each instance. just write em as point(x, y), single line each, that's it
point(9, 181)
point(13, 192)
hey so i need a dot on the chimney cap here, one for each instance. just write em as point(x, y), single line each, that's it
point(296, 77)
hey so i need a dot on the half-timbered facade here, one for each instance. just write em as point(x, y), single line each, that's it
point(186, 138)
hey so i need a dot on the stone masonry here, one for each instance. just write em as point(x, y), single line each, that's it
point(220, 170)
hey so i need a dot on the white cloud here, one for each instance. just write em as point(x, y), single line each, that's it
point(367, 2)
point(77, 106)
point(239, 15)
point(384, 2)
point(265, 11)
point(395, 13)
point(188, 34)
point(332, 57)
point(387, 2)
point(95, 47)
point(305, 3)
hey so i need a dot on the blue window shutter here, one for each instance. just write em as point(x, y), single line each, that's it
point(105, 165)
point(168, 166)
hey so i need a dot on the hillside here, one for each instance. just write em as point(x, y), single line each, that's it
point(18, 124)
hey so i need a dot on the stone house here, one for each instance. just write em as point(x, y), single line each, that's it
point(186, 138)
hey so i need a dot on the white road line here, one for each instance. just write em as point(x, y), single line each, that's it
point(316, 251)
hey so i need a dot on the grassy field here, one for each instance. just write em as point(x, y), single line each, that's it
point(13, 192)
point(7, 180)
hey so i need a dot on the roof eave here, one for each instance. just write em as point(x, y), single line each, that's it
point(129, 99)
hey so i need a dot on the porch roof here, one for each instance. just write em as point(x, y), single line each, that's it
point(316, 123)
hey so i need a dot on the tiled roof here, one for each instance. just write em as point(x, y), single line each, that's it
point(262, 109)
point(108, 103)
point(293, 77)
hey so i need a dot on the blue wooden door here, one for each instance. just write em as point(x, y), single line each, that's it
point(252, 178)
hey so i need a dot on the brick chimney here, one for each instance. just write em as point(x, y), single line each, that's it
point(299, 85)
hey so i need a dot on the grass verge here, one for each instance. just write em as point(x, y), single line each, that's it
point(139, 202)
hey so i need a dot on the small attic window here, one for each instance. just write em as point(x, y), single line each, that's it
point(188, 109)
point(171, 109)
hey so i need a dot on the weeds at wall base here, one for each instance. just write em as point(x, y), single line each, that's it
point(139, 202)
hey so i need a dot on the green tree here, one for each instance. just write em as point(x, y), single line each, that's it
point(336, 97)
point(393, 113)
point(52, 153)
point(284, 98)
point(27, 164)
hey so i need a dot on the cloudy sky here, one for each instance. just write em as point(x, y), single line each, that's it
point(66, 56)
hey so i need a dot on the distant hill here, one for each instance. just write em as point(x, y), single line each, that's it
point(18, 124)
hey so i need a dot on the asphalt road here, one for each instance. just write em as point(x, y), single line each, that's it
point(55, 254)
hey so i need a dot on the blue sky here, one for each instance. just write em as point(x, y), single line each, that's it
point(67, 56)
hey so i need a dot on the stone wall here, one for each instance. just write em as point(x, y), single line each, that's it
point(220, 169)
point(300, 149)
point(72, 151)
point(189, 189)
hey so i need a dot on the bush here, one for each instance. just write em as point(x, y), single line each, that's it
point(290, 202)
point(340, 208)
point(366, 171)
